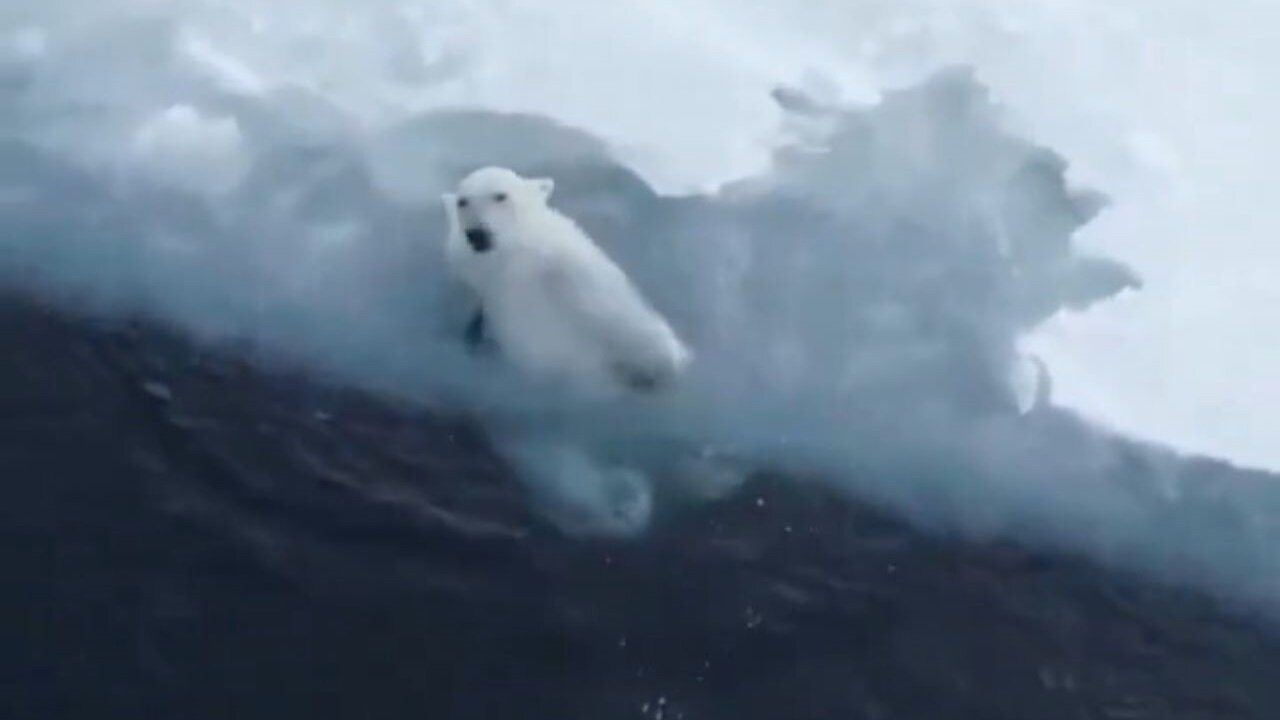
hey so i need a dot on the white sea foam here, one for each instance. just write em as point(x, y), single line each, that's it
point(267, 172)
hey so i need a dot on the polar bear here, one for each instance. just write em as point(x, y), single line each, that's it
point(553, 302)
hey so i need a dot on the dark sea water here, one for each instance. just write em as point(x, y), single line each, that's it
point(185, 536)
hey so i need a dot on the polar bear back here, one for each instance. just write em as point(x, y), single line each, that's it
point(566, 305)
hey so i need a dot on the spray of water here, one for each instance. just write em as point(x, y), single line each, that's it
point(856, 244)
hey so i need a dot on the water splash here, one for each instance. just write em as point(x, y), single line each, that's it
point(857, 294)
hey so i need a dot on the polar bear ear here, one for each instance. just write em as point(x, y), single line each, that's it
point(450, 203)
point(544, 186)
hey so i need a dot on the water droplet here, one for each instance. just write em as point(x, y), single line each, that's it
point(157, 390)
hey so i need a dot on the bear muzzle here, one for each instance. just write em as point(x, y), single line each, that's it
point(480, 239)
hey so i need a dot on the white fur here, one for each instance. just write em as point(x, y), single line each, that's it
point(557, 306)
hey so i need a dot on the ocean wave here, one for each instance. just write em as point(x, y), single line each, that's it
point(855, 297)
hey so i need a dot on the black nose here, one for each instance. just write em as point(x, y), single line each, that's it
point(479, 239)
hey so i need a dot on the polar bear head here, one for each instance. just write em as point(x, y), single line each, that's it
point(492, 202)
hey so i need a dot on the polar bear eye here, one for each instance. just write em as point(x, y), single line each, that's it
point(462, 202)
point(500, 197)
